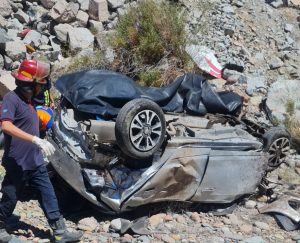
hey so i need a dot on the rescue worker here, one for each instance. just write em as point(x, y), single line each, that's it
point(23, 152)
point(44, 98)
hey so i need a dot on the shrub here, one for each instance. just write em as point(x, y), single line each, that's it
point(147, 33)
point(150, 78)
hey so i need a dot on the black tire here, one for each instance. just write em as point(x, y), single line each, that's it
point(139, 138)
point(277, 142)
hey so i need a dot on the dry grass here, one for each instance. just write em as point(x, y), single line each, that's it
point(148, 33)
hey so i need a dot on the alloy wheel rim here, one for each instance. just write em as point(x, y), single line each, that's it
point(278, 151)
point(145, 130)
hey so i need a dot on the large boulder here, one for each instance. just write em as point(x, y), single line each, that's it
point(16, 50)
point(61, 32)
point(98, 10)
point(80, 38)
point(5, 8)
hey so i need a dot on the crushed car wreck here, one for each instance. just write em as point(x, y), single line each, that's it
point(122, 146)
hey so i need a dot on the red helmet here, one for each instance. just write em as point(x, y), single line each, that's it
point(32, 71)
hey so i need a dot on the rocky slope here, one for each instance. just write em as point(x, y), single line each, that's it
point(261, 36)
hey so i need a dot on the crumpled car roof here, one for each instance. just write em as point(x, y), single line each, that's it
point(104, 93)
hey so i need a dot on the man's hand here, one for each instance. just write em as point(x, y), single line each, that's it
point(44, 145)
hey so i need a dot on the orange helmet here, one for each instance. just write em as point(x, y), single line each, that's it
point(32, 71)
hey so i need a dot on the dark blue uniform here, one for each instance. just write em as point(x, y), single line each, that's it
point(23, 161)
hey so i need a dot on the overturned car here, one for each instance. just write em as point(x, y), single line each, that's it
point(121, 146)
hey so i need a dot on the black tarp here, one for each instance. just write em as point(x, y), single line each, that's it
point(103, 93)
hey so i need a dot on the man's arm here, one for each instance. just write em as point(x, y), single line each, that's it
point(9, 128)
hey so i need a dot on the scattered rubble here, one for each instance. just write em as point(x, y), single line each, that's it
point(263, 37)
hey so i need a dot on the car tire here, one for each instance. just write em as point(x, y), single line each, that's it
point(277, 143)
point(140, 128)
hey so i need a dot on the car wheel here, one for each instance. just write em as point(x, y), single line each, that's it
point(140, 128)
point(277, 144)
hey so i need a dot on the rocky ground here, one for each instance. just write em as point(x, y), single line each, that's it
point(171, 222)
point(261, 36)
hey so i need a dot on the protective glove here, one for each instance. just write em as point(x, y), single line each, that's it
point(46, 147)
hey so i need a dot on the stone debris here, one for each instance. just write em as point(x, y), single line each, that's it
point(261, 37)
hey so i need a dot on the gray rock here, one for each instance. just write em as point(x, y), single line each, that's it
point(250, 204)
point(229, 30)
point(116, 224)
point(58, 9)
point(15, 50)
point(234, 219)
point(21, 16)
point(228, 9)
point(114, 4)
point(14, 24)
point(238, 3)
point(89, 224)
point(3, 22)
point(296, 237)
point(84, 4)
point(98, 10)
point(80, 38)
point(261, 225)
point(48, 3)
point(33, 38)
point(288, 27)
point(167, 239)
point(7, 63)
point(61, 31)
point(41, 26)
point(55, 43)
point(5, 8)
point(96, 26)
point(255, 83)
point(82, 18)
point(277, 4)
point(13, 34)
point(282, 92)
point(109, 54)
point(143, 239)
point(276, 63)
point(69, 14)
point(4, 37)
point(255, 239)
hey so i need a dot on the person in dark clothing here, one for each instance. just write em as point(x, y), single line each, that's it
point(23, 152)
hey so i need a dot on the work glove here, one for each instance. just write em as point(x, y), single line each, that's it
point(46, 147)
